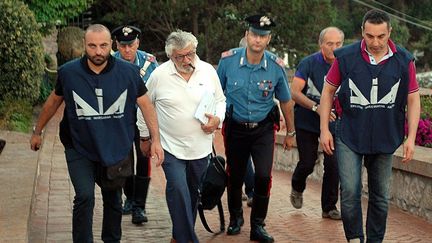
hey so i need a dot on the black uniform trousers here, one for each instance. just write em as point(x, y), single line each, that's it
point(240, 143)
point(143, 170)
point(307, 144)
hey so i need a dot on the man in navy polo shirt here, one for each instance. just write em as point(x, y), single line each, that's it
point(100, 94)
point(136, 186)
point(377, 83)
point(306, 91)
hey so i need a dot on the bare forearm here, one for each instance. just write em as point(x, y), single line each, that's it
point(326, 103)
point(288, 113)
point(299, 98)
point(48, 110)
point(303, 100)
point(150, 117)
point(413, 114)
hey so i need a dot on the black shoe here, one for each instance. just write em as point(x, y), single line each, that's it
point(139, 216)
point(258, 233)
point(235, 226)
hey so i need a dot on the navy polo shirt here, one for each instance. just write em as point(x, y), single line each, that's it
point(312, 69)
point(99, 119)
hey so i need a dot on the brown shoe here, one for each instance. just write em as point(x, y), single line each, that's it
point(332, 214)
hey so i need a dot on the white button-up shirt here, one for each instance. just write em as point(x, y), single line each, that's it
point(176, 101)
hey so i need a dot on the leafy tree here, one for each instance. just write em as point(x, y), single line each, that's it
point(53, 12)
point(22, 60)
point(218, 24)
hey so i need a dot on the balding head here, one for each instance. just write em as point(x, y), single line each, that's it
point(331, 31)
point(97, 28)
point(330, 39)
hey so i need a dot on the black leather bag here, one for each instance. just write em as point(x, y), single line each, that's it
point(114, 177)
point(212, 188)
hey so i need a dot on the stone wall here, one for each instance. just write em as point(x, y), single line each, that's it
point(50, 47)
point(411, 188)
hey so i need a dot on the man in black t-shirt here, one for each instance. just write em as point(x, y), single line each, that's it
point(98, 127)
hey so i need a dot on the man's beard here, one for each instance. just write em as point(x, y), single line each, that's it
point(182, 69)
point(97, 60)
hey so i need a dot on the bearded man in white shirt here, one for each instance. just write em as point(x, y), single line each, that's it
point(176, 88)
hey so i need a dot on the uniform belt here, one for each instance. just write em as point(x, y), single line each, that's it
point(252, 125)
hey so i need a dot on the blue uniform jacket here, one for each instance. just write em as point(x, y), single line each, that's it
point(251, 88)
point(147, 63)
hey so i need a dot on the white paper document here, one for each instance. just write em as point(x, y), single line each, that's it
point(207, 105)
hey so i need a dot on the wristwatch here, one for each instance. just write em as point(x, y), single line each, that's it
point(144, 139)
point(37, 133)
point(291, 134)
point(315, 107)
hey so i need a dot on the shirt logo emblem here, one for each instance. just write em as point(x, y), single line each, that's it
point(85, 111)
point(358, 100)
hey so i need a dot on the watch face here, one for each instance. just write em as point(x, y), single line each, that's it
point(314, 107)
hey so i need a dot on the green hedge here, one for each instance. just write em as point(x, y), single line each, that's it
point(22, 58)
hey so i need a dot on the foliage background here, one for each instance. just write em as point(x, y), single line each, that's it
point(50, 13)
point(21, 58)
point(219, 24)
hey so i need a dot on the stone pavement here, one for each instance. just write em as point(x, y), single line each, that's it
point(49, 217)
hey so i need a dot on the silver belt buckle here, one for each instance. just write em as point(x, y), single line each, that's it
point(251, 125)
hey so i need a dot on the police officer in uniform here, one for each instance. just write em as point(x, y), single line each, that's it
point(136, 186)
point(251, 77)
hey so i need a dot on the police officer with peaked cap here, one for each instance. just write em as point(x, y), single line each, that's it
point(136, 186)
point(251, 77)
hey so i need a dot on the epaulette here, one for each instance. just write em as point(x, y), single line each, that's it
point(280, 61)
point(277, 59)
point(151, 58)
point(227, 53)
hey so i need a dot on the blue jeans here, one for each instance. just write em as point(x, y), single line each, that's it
point(83, 176)
point(183, 181)
point(379, 170)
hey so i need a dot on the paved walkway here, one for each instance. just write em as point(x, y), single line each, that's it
point(51, 208)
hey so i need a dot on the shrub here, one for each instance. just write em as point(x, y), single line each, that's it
point(424, 131)
point(22, 59)
point(15, 114)
point(49, 79)
point(70, 44)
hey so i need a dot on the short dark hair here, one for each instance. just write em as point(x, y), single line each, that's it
point(375, 16)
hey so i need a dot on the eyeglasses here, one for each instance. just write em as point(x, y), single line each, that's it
point(189, 55)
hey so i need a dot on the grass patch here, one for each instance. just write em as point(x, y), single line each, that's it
point(16, 115)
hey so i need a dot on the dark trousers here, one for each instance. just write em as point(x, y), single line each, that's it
point(240, 144)
point(143, 170)
point(249, 179)
point(307, 145)
point(83, 176)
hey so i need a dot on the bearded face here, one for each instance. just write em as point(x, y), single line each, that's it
point(97, 47)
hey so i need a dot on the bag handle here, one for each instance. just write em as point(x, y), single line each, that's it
point(219, 206)
point(221, 219)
